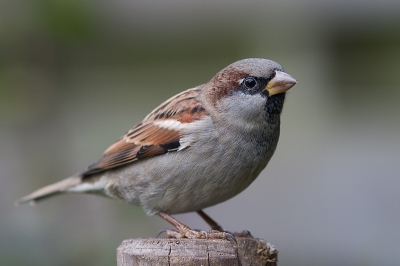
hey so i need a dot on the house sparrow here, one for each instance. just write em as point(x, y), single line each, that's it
point(198, 148)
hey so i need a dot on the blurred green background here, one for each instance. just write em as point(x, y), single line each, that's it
point(76, 75)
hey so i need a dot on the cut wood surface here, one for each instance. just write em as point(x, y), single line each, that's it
point(161, 251)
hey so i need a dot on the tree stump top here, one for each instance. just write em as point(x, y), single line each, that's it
point(161, 251)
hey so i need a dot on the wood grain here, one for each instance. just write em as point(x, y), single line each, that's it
point(160, 251)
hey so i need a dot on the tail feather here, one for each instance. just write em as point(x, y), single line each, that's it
point(50, 190)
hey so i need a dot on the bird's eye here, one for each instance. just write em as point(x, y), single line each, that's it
point(250, 82)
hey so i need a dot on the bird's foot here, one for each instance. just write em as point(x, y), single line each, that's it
point(184, 231)
point(215, 226)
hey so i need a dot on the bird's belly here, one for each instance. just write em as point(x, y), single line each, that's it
point(196, 186)
point(202, 187)
point(194, 181)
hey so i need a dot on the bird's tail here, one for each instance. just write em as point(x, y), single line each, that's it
point(51, 190)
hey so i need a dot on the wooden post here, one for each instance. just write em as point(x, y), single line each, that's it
point(162, 251)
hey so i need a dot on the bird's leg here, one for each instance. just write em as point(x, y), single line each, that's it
point(213, 224)
point(186, 231)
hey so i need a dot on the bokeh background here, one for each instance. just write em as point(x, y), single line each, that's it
point(76, 75)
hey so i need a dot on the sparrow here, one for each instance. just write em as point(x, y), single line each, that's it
point(197, 149)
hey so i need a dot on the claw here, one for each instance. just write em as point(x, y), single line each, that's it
point(174, 234)
point(229, 237)
point(164, 230)
point(171, 233)
point(206, 234)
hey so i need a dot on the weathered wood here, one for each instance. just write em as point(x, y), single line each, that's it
point(161, 251)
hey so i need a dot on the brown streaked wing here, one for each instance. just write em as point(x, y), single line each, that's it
point(183, 101)
point(147, 138)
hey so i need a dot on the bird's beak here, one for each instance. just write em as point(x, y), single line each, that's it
point(280, 83)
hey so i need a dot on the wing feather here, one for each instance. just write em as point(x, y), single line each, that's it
point(158, 133)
